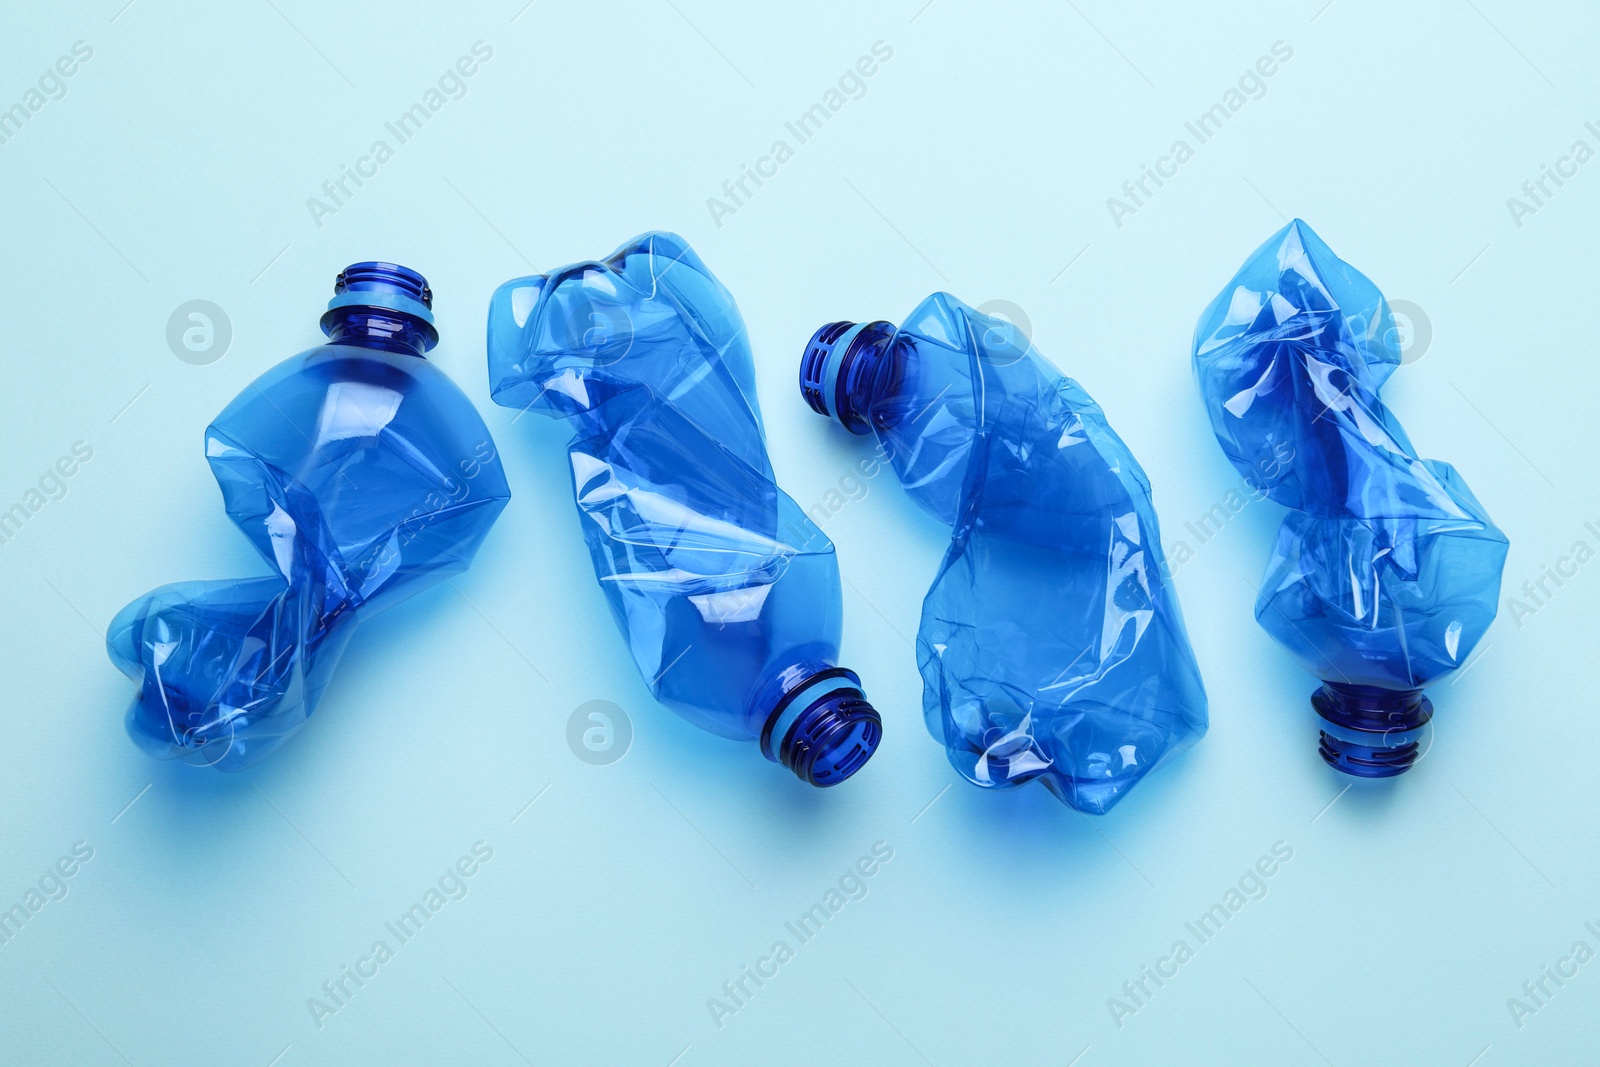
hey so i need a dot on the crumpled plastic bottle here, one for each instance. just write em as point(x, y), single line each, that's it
point(1051, 644)
point(362, 474)
point(1386, 572)
point(727, 593)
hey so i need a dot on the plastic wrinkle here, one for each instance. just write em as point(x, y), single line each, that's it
point(1386, 571)
point(361, 477)
point(727, 594)
point(1051, 645)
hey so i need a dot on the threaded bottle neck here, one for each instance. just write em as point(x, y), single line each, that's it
point(821, 727)
point(382, 306)
point(847, 368)
point(1368, 731)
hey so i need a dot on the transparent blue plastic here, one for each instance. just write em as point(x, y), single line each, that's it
point(1051, 645)
point(362, 475)
point(1386, 571)
point(727, 594)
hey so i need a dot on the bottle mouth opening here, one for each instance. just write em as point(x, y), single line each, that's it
point(1368, 731)
point(837, 374)
point(377, 276)
point(382, 300)
point(823, 730)
point(819, 381)
point(828, 751)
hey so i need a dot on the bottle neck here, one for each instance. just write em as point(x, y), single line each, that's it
point(849, 369)
point(381, 306)
point(1371, 732)
point(380, 329)
point(818, 722)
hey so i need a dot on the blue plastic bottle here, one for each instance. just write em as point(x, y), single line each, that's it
point(727, 594)
point(1386, 571)
point(1051, 644)
point(362, 475)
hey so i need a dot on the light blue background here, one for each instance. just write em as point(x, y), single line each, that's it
point(979, 160)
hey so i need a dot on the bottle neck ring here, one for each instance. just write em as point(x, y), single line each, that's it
point(382, 306)
point(822, 728)
point(846, 369)
point(1370, 732)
